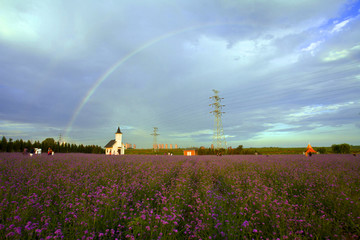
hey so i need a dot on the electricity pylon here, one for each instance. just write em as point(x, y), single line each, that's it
point(218, 137)
point(60, 139)
point(155, 134)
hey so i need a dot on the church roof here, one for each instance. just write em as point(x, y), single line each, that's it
point(110, 144)
point(118, 130)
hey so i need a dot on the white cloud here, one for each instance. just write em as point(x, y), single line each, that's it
point(339, 26)
point(311, 111)
point(334, 55)
point(312, 47)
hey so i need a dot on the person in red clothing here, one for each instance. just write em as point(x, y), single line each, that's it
point(49, 151)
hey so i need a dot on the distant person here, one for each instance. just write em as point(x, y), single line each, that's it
point(49, 151)
point(25, 151)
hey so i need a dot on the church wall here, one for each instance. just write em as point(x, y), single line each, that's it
point(118, 147)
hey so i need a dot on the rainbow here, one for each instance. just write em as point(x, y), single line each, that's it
point(117, 64)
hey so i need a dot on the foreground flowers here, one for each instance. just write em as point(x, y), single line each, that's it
point(79, 196)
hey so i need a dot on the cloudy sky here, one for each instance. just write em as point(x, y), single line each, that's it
point(289, 71)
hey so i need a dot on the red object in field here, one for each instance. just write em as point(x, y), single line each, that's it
point(309, 149)
point(191, 152)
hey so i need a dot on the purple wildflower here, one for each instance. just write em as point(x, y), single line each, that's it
point(245, 223)
point(18, 230)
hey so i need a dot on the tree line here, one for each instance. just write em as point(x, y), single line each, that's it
point(20, 145)
point(228, 151)
point(335, 148)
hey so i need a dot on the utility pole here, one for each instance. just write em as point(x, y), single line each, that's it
point(218, 137)
point(60, 139)
point(155, 134)
point(59, 142)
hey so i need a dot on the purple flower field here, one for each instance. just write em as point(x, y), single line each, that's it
point(83, 196)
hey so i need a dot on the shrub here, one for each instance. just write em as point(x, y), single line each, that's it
point(321, 150)
point(341, 148)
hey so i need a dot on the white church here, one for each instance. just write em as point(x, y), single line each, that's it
point(115, 147)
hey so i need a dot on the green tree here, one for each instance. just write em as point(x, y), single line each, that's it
point(341, 148)
point(10, 145)
point(335, 148)
point(321, 150)
point(238, 150)
point(3, 144)
point(36, 144)
point(28, 144)
point(67, 147)
point(48, 143)
point(17, 147)
point(21, 145)
point(202, 151)
point(248, 151)
point(81, 148)
point(345, 148)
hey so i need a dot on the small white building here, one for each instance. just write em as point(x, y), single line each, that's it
point(115, 147)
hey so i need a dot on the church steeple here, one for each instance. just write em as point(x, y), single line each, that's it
point(118, 130)
point(118, 136)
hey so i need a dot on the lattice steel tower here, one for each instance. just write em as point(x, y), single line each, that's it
point(60, 139)
point(218, 137)
point(155, 134)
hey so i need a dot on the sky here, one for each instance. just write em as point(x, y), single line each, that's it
point(288, 71)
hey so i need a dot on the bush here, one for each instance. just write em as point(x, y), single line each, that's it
point(321, 150)
point(340, 148)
